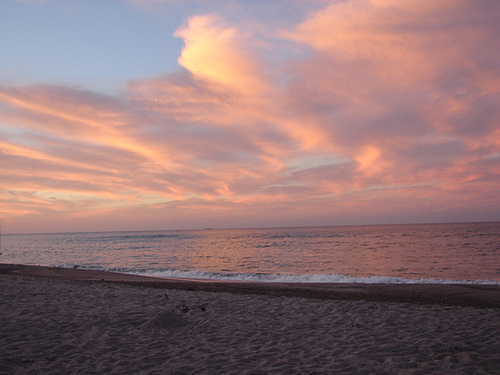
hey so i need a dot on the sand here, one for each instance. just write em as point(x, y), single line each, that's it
point(73, 322)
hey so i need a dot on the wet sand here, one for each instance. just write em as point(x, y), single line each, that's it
point(441, 294)
point(86, 322)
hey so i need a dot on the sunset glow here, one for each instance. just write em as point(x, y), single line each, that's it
point(347, 112)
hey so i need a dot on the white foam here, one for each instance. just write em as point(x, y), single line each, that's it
point(288, 278)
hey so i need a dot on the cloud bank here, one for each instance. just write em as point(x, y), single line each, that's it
point(364, 111)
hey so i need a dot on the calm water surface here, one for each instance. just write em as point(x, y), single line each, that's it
point(382, 253)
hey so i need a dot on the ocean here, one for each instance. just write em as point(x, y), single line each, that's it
point(423, 253)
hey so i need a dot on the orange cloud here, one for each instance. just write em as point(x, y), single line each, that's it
point(71, 119)
point(363, 110)
point(367, 159)
point(216, 52)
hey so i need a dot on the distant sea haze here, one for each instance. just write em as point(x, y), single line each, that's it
point(430, 253)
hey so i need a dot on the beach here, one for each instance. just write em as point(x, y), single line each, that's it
point(88, 322)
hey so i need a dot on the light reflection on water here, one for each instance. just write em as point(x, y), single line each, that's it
point(437, 251)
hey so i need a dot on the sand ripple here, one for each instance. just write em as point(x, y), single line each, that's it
point(72, 327)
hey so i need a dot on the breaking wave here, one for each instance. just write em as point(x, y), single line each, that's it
point(288, 278)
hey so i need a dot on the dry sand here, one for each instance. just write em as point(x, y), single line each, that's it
point(72, 322)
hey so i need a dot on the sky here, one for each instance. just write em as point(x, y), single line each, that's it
point(170, 114)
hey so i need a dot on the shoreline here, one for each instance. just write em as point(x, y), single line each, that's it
point(66, 321)
point(465, 295)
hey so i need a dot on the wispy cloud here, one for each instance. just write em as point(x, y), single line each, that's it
point(364, 109)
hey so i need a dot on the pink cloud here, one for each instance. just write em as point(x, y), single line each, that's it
point(378, 109)
point(216, 53)
point(390, 75)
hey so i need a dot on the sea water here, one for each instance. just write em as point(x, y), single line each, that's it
point(429, 253)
